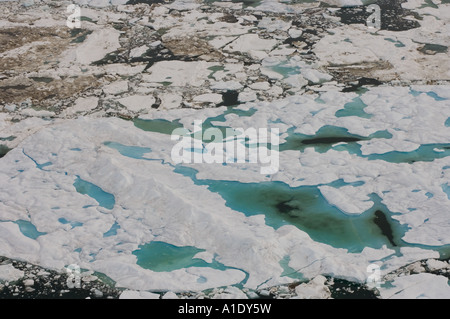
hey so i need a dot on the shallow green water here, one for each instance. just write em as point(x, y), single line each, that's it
point(398, 44)
point(103, 198)
point(28, 229)
point(339, 139)
point(246, 3)
point(112, 231)
point(431, 94)
point(289, 271)
point(129, 151)
point(157, 125)
point(354, 108)
point(285, 69)
point(305, 208)
point(167, 127)
point(74, 224)
point(161, 256)
point(446, 189)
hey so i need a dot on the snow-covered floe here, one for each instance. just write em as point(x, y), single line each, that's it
point(81, 188)
point(167, 206)
point(417, 287)
point(9, 273)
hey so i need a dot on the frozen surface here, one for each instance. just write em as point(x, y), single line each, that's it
point(175, 208)
point(415, 287)
point(363, 174)
point(9, 273)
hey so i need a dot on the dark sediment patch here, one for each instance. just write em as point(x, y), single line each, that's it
point(18, 87)
point(42, 79)
point(157, 103)
point(43, 92)
point(303, 207)
point(362, 82)
point(79, 35)
point(322, 144)
point(368, 81)
point(150, 57)
point(314, 26)
point(382, 222)
point(308, 38)
point(322, 141)
point(330, 140)
point(283, 206)
point(149, 2)
point(229, 18)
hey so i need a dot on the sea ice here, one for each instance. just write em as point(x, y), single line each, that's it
point(417, 287)
point(9, 273)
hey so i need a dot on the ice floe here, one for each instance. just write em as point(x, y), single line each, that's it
point(414, 287)
point(89, 178)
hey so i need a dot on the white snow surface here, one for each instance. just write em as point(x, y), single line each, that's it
point(417, 287)
point(9, 273)
point(154, 203)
